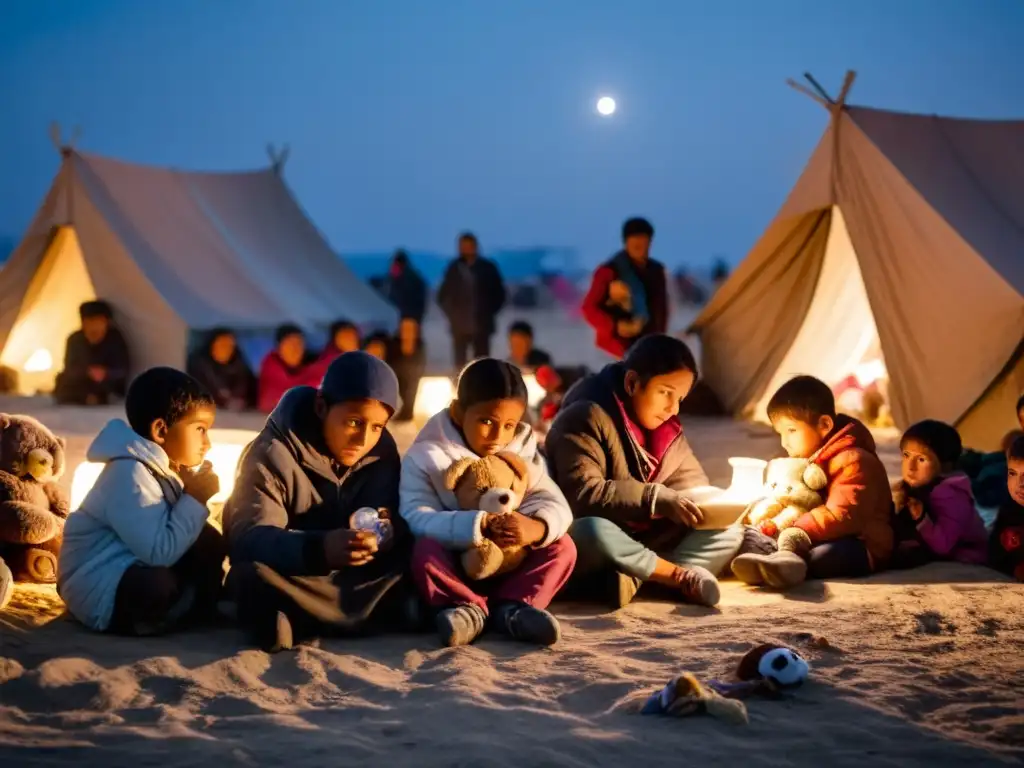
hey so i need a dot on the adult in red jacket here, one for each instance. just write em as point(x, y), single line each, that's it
point(628, 297)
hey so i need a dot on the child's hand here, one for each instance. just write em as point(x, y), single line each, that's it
point(515, 530)
point(344, 547)
point(201, 484)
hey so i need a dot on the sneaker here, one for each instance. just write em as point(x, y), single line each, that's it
point(756, 543)
point(699, 586)
point(623, 589)
point(779, 570)
point(527, 624)
point(460, 625)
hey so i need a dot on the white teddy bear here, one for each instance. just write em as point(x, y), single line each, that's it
point(791, 489)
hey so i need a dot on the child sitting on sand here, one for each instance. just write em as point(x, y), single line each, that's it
point(1006, 546)
point(485, 418)
point(935, 514)
point(138, 555)
point(848, 536)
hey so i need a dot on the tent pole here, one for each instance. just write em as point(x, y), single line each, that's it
point(817, 86)
point(807, 92)
point(851, 75)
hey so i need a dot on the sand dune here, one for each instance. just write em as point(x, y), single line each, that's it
point(919, 668)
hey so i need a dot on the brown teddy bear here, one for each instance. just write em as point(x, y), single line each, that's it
point(494, 484)
point(32, 506)
point(791, 488)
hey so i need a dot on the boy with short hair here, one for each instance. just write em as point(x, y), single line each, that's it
point(300, 567)
point(521, 351)
point(138, 556)
point(1006, 545)
point(848, 536)
point(96, 359)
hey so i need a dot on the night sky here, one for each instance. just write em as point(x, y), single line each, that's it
point(410, 120)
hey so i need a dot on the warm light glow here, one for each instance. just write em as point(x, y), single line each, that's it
point(224, 454)
point(435, 393)
point(606, 105)
point(534, 391)
point(38, 362)
point(869, 372)
point(747, 478)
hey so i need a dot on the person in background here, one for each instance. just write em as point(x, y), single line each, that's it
point(343, 337)
point(284, 367)
point(521, 351)
point(96, 360)
point(850, 535)
point(405, 288)
point(628, 296)
point(377, 344)
point(139, 556)
point(471, 295)
point(935, 514)
point(988, 470)
point(299, 567)
point(556, 381)
point(407, 357)
point(1006, 544)
point(219, 366)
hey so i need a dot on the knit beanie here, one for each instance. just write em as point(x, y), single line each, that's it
point(942, 439)
point(360, 376)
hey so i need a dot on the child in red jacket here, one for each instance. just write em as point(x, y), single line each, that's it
point(1006, 547)
point(848, 536)
point(935, 514)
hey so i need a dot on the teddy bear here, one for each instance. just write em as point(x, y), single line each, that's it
point(32, 506)
point(494, 484)
point(791, 488)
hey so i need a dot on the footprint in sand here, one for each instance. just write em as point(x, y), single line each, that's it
point(989, 627)
point(934, 623)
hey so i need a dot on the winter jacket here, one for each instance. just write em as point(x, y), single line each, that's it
point(471, 295)
point(276, 378)
point(407, 291)
point(858, 501)
point(432, 511)
point(229, 383)
point(136, 512)
point(951, 526)
point(73, 383)
point(1006, 544)
point(603, 318)
point(604, 469)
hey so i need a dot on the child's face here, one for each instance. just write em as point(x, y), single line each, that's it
point(1015, 479)
point(352, 429)
point(187, 440)
point(95, 328)
point(377, 348)
point(291, 349)
point(346, 340)
point(519, 345)
point(658, 401)
point(800, 439)
point(920, 464)
point(489, 427)
point(222, 348)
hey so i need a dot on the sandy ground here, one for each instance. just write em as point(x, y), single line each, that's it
point(920, 668)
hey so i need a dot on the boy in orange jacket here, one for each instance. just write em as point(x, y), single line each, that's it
point(848, 536)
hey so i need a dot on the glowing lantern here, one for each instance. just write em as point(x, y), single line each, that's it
point(224, 454)
point(723, 508)
point(534, 391)
point(433, 396)
point(747, 478)
point(39, 361)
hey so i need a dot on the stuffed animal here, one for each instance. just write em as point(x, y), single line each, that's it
point(32, 506)
point(6, 585)
point(776, 665)
point(494, 484)
point(791, 489)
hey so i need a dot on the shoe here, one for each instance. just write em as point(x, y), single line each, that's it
point(460, 625)
point(756, 543)
point(623, 589)
point(780, 570)
point(699, 586)
point(527, 624)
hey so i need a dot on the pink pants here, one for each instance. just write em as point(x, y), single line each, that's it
point(440, 580)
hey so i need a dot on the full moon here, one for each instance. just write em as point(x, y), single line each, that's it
point(606, 105)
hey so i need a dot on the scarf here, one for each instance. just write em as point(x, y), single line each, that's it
point(627, 273)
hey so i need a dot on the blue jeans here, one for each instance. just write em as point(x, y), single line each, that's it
point(601, 544)
point(840, 559)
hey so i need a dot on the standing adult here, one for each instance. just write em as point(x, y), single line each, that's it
point(471, 295)
point(405, 288)
point(628, 297)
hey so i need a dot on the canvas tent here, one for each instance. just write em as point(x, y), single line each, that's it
point(902, 242)
point(173, 252)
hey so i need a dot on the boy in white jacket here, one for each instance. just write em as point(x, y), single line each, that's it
point(138, 556)
point(485, 418)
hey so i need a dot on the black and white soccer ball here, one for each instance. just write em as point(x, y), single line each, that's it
point(783, 666)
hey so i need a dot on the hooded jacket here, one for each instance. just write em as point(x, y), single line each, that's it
point(289, 492)
point(952, 527)
point(858, 498)
point(432, 511)
point(605, 472)
point(136, 512)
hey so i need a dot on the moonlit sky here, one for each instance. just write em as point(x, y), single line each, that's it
point(410, 120)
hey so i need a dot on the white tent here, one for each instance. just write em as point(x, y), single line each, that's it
point(901, 245)
point(173, 252)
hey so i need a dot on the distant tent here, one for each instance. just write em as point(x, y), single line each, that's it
point(902, 241)
point(173, 252)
